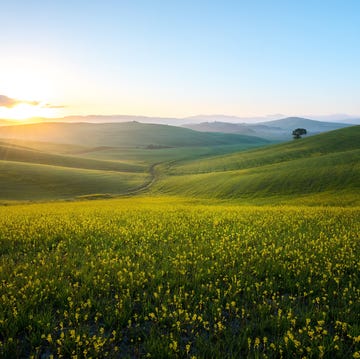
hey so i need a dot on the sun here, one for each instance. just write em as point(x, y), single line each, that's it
point(26, 111)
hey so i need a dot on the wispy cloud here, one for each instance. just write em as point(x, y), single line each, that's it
point(49, 105)
point(9, 102)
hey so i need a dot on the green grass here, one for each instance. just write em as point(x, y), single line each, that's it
point(28, 174)
point(129, 134)
point(328, 163)
point(342, 140)
point(27, 181)
point(332, 172)
point(170, 155)
point(10, 153)
point(193, 274)
point(97, 159)
point(167, 277)
point(43, 146)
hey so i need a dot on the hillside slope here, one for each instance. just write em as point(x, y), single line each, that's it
point(130, 134)
point(22, 154)
point(342, 140)
point(290, 123)
point(27, 181)
point(277, 130)
point(324, 163)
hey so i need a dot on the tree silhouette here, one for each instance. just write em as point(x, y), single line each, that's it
point(297, 133)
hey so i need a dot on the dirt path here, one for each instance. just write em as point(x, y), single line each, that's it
point(146, 185)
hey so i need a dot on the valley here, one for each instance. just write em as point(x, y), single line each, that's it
point(114, 248)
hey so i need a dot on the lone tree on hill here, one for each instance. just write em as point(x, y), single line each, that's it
point(298, 133)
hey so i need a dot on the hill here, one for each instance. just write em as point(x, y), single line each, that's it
point(275, 134)
point(321, 163)
point(10, 152)
point(277, 130)
point(224, 127)
point(31, 174)
point(312, 126)
point(80, 162)
point(329, 162)
point(28, 181)
point(129, 134)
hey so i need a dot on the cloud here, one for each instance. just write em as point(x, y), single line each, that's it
point(9, 102)
point(49, 105)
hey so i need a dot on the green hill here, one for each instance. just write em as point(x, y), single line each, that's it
point(88, 159)
point(342, 140)
point(328, 162)
point(129, 134)
point(278, 130)
point(23, 154)
point(61, 160)
point(27, 181)
point(44, 146)
point(312, 126)
point(30, 174)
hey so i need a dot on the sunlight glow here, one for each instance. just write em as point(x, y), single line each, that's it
point(25, 111)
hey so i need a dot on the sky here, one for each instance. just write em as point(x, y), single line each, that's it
point(179, 58)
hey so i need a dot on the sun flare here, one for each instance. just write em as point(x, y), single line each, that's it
point(25, 111)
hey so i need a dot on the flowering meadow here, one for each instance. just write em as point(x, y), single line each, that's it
point(163, 277)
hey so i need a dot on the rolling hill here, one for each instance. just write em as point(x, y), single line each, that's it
point(30, 174)
point(328, 162)
point(22, 154)
point(312, 126)
point(277, 130)
point(23, 181)
point(224, 127)
point(270, 133)
point(88, 159)
point(129, 134)
point(325, 163)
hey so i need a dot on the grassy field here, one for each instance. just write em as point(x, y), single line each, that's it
point(126, 134)
point(165, 277)
point(339, 141)
point(252, 254)
point(333, 172)
point(97, 160)
point(27, 173)
point(328, 163)
point(27, 155)
point(32, 182)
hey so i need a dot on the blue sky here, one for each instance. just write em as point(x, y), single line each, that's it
point(180, 58)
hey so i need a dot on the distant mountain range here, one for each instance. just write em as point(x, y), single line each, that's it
point(269, 128)
point(290, 123)
point(100, 119)
point(340, 118)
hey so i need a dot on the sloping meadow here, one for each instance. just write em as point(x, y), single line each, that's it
point(165, 277)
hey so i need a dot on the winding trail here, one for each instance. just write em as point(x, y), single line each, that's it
point(145, 186)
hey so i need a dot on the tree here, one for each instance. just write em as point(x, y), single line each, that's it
point(297, 133)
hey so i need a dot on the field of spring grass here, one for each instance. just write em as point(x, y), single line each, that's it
point(328, 163)
point(169, 277)
point(33, 170)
